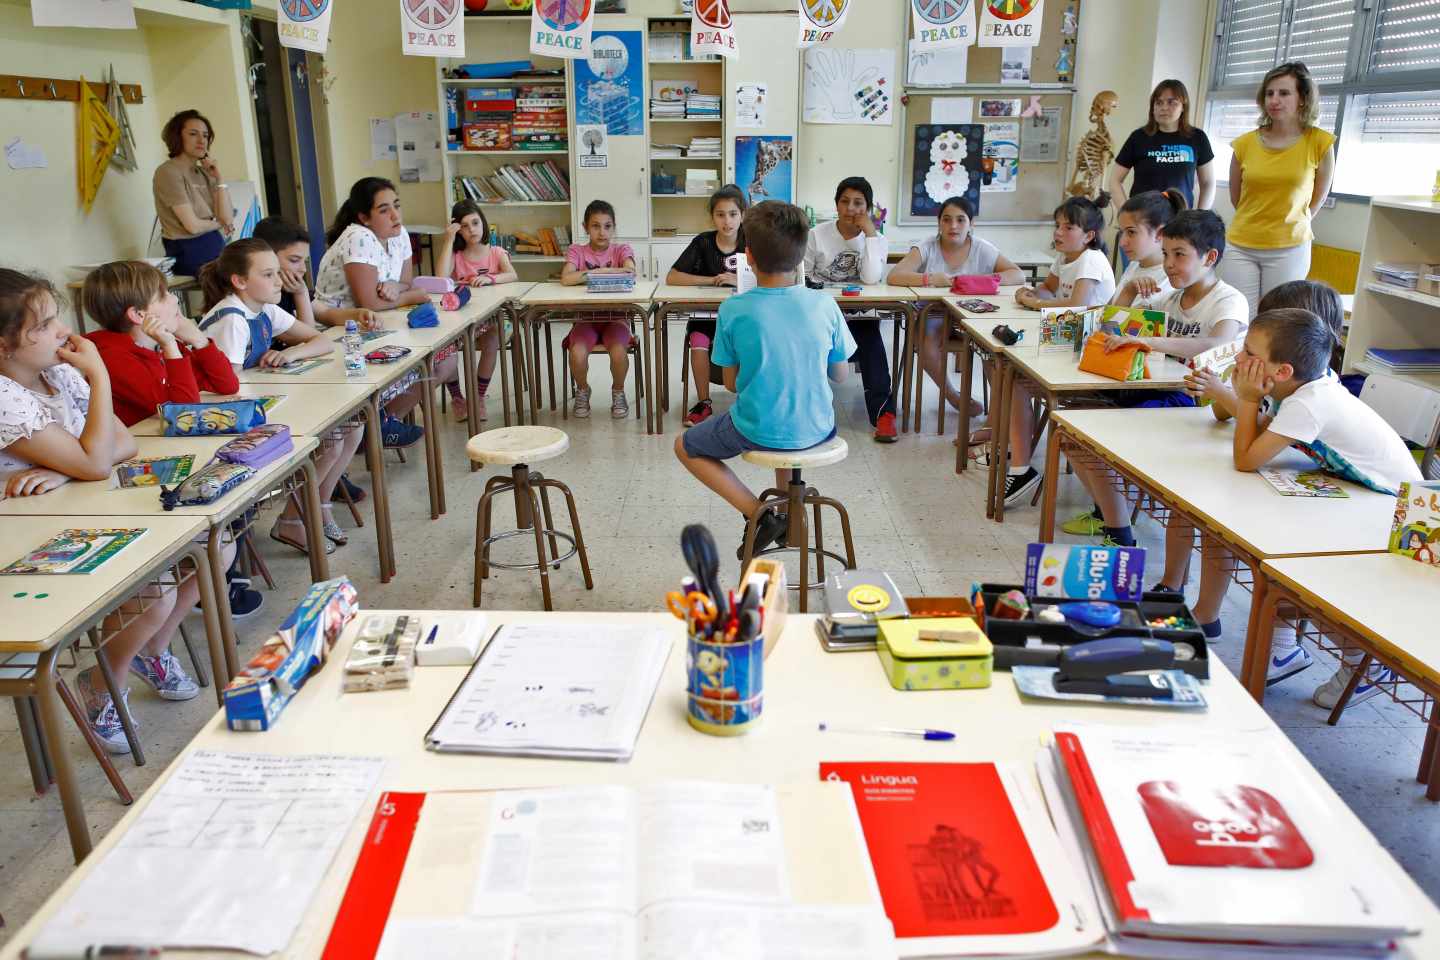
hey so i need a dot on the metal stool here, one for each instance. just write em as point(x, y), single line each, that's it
point(794, 500)
point(517, 447)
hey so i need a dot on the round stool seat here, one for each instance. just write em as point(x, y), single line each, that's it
point(512, 445)
point(821, 455)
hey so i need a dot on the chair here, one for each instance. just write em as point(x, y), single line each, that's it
point(637, 369)
point(793, 501)
point(685, 372)
point(517, 447)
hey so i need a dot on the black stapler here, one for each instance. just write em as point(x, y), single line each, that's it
point(1117, 667)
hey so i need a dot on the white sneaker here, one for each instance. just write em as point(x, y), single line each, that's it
point(1286, 660)
point(582, 404)
point(166, 676)
point(619, 406)
point(100, 711)
point(1328, 693)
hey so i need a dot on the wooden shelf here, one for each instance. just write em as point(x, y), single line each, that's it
point(1415, 296)
point(680, 196)
point(504, 81)
point(686, 63)
point(526, 203)
point(685, 120)
point(1430, 381)
point(688, 159)
point(506, 153)
point(1412, 204)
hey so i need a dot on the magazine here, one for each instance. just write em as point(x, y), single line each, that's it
point(74, 551)
point(154, 471)
point(1303, 483)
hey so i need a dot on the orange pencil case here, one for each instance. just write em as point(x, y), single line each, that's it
point(1127, 363)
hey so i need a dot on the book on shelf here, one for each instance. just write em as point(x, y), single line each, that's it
point(486, 136)
point(701, 181)
point(667, 150)
point(75, 550)
point(532, 182)
point(703, 148)
point(1404, 361)
point(699, 106)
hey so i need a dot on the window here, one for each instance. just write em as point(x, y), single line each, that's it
point(1378, 66)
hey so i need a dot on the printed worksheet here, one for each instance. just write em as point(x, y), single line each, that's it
point(766, 932)
point(595, 936)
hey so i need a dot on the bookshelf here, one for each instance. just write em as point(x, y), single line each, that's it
point(676, 77)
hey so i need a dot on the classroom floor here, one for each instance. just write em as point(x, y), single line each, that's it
point(911, 516)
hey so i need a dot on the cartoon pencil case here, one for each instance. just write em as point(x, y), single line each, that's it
point(1127, 363)
point(387, 354)
point(207, 486)
point(976, 284)
point(423, 315)
point(257, 447)
point(208, 419)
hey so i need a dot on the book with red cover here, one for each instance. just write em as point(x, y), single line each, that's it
point(954, 860)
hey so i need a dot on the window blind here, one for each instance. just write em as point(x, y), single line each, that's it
point(1319, 36)
point(1400, 117)
point(1250, 37)
point(1227, 119)
point(1407, 37)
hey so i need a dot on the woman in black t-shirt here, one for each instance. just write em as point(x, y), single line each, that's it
point(711, 260)
point(1167, 153)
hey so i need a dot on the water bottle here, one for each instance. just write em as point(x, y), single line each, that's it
point(354, 350)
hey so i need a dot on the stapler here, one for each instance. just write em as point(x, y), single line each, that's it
point(1117, 667)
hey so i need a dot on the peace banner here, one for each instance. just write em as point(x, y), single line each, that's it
point(1011, 23)
point(561, 28)
point(943, 23)
point(711, 29)
point(432, 28)
point(820, 20)
point(304, 24)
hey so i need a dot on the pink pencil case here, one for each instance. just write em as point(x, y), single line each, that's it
point(434, 284)
point(976, 284)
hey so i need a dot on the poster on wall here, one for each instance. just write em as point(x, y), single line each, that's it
point(943, 23)
point(1000, 166)
point(848, 86)
point(594, 152)
point(432, 28)
point(417, 139)
point(1040, 137)
point(764, 168)
point(109, 14)
point(947, 164)
point(997, 107)
point(942, 67)
point(561, 28)
point(750, 109)
point(712, 29)
point(609, 84)
point(1011, 23)
point(303, 24)
point(1015, 64)
point(820, 20)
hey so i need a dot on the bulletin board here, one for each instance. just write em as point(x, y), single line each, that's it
point(1039, 185)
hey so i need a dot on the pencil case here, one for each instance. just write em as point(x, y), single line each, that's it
point(456, 299)
point(423, 315)
point(387, 354)
point(434, 284)
point(209, 419)
point(207, 486)
point(976, 284)
point(1127, 363)
point(262, 445)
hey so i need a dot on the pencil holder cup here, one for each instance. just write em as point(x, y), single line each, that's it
point(724, 684)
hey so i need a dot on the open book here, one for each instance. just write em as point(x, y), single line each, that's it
point(75, 551)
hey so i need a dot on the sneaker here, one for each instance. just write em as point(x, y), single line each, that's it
point(165, 675)
point(332, 530)
point(106, 725)
point(582, 404)
point(698, 413)
point(885, 429)
point(1160, 590)
point(397, 434)
point(1087, 524)
point(356, 493)
point(1285, 662)
point(1017, 486)
point(619, 406)
point(771, 529)
point(1328, 693)
point(244, 601)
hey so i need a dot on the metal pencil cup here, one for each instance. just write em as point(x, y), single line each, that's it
point(724, 684)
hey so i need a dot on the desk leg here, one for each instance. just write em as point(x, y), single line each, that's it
point(375, 460)
point(917, 374)
point(532, 344)
point(47, 701)
point(220, 589)
point(469, 365)
point(1258, 634)
point(647, 376)
point(1000, 439)
point(1429, 772)
point(212, 614)
point(660, 367)
point(500, 362)
point(314, 528)
point(1051, 486)
point(434, 464)
point(967, 383)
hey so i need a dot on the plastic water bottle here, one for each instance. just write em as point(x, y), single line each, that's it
point(354, 350)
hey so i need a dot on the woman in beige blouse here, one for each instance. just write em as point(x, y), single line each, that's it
point(191, 201)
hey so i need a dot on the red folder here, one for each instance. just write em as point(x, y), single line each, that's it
point(360, 922)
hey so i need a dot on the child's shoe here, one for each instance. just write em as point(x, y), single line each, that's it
point(397, 434)
point(619, 406)
point(244, 602)
point(458, 410)
point(480, 408)
point(1328, 693)
point(698, 413)
point(885, 429)
point(1287, 658)
point(1017, 485)
point(771, 528)
point(165, 676)
point(101, 714)
point(1086, 524)
point(582, 404)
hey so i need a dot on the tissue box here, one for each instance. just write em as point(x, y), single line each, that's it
point(915, 664)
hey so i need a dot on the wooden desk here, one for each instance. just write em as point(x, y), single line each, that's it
point(308, 409)
point(44, 614)
point(804, 686)
point(1184, 459)
point(551, 302)
point(97, 500)
point(667, 301)
point(934, 299)
point(975, 334)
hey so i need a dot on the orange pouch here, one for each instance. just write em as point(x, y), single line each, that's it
point(1127, 363)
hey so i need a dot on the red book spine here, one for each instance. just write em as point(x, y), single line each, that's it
point(1104, 839)
point(365, 909)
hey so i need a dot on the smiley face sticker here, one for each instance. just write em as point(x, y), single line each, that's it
point(868, 598)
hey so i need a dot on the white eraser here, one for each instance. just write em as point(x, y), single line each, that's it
point(450, 639)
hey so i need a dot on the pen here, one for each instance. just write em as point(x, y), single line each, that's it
point(431, 639)
point(917, 733)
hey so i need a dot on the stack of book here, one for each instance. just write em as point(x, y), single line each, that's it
point(517, 182)
point(704, 148)
point(661, 150)
point(486, 118)
point(609, 282)
point(701, 181)
point(661, 109)
point(540, 119)
point(1405, 275)
point(1213, 845)
point(702, 106)
point(1404, 361)
point(546, 241)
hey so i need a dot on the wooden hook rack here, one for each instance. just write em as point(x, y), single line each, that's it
point(14, 87)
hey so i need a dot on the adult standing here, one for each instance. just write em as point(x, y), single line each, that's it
point(1280, 174)
point(191, 200)
point(1167, 153)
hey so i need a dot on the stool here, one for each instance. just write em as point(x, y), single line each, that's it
point(794, 500)
point(517, 447)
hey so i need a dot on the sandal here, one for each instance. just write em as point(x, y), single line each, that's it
point(300, 545)
point(331, 529)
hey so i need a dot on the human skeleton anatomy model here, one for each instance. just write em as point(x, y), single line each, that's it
point(1095, 150)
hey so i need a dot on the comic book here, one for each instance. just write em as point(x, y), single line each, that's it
point(1415, 531)
point(1303, 483)
point(1132, 321)
point(154, 471)
point(74, 551)
point(1067, 326)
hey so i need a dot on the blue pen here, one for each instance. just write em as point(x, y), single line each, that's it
point(431, 639)
point(917, 733)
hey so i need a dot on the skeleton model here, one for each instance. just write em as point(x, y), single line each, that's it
point(1095, 150)
point(768, 155)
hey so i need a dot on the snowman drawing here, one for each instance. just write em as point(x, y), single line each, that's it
point(947, 176)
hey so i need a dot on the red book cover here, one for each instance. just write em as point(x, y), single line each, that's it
point(365, 909)
point(1104, 840)
point(949, 853)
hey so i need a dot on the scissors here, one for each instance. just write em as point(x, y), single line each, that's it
point(691, 607)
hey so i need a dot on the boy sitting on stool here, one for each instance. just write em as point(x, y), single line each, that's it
point(779, 345)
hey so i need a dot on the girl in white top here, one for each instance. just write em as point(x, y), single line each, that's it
point(57, 425)
point(1142, 217)
point(953, 252)
point(369, 261)
point(1081, 274)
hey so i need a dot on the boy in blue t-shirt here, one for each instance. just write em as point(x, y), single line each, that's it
point(778, 345)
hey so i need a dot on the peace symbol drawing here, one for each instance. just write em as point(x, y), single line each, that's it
point(1010, 9)
point(432, 14)
point(940, 11)
point(715, 13)
point(564, 15)
point(823, 13)
point(303, 10)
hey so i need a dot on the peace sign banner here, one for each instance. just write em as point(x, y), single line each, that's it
point(820, 20)
point(1011, 23)
point(943, 23)
point(304, 24)
point(561, 28)
point(432, 28)
point(712, 29)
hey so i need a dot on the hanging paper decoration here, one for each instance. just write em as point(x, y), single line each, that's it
point(99, 135)
point(432, 28)
point(1011, 23)
point(711, 29)
point(820, 20)
point(304, 24)
point(943, 23)
point(561, 28)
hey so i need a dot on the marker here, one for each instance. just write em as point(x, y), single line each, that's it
point(917, 733)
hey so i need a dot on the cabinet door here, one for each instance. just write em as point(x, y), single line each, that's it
point(609, 91)
point(643, 267)
point(770, 57)
point(663, 255)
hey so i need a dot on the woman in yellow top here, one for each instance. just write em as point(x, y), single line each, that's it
point(1280, 174)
